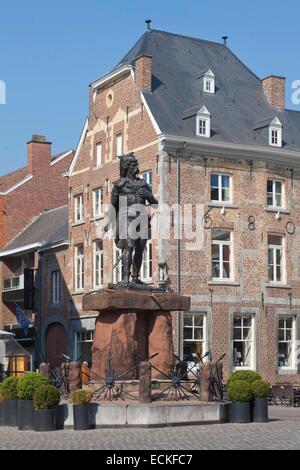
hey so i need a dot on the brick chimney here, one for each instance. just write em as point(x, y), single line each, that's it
point(38, 154)
point(143, 72)
point(274, 88)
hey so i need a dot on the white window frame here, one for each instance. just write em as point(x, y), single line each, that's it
point(220, 187)
point(204, 341)
point(98, 264)
point(253, 337)
point(274, 205)
point(274, 248)
point(119, 144)
point(148, 177)
point(203, 116)
point(55, 287)
point(107, 186)
point(79, 273)
point(98, 204)
point(209, 79)
point(79, 208)
point(99, 155)
point(275, 133)
point(77, 341)
point(147, 264)
point(293, 342)
point(117, 272)
point(222, 243)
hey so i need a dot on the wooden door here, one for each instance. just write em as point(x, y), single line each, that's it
point(56, 344)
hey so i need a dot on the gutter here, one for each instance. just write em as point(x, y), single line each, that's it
point(173, 143)
point(21, 250)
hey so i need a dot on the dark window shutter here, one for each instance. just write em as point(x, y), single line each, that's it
point(28, 289)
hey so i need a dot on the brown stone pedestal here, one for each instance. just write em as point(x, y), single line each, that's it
point(132, 326)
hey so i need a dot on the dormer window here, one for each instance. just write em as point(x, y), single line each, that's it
point(209, 82)
point(203, 122)
point(275, 133)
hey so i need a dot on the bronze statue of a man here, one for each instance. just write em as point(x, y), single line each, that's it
point(129, 198)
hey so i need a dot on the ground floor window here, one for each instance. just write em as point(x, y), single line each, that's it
point(286, 342)
point(243, 341)
point(83, 346)
point(194, 336)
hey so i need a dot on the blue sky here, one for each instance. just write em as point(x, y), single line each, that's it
point(51, 51)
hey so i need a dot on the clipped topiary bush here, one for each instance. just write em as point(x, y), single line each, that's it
point(81, 397)
point(9, 390)
point(239, 391)
point(28, 385)
point(46, 397)
point(260, 388)
point(247, 375)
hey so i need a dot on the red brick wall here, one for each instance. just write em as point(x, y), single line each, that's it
point(46, 190)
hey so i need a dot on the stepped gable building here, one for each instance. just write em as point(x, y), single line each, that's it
point(207, 131)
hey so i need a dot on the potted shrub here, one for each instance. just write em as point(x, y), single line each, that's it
point(247, 375)
point(240, 394)
point(260, 391)
point(9, 393)
point(81, 409)
point(26, 388)
point(45, 399)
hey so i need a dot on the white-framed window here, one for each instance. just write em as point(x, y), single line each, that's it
point(79, 267)
point(194, 336)
point(147, 175)
point(55, 287)
point(222, 255)
point(209, 82)
point(98, 264)
point(275, 194)
point(243, 344)
point(79, 208)
point(203, 123)
point(107, 186)
point(99, 154)
point(117, 272)
point(286, 342)
point(220, 187)
point(83, 346)
point(146, 269)
point(275, 133)
point(98, 202)
point(119, 139)
point(276, 258)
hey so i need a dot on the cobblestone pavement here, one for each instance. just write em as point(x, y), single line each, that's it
point(282, 432)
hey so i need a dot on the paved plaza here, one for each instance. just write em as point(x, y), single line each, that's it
point(282, 432)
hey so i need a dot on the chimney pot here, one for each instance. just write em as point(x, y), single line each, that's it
point(38, 138)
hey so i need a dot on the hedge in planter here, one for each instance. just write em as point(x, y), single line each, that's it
point(260, 391)
point(27, 386)
point(81, 409)
point(9, 393)
point(247, 375)
point(46, 398)
point(240, 393)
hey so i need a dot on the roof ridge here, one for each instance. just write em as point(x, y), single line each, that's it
point(46, 211)
point(186, 37)
point(13, 172)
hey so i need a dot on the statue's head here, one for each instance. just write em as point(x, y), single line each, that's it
point(129, 165)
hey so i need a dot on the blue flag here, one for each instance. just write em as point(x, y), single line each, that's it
point(22, 319)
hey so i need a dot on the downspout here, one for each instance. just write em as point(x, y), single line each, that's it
point(178, 247)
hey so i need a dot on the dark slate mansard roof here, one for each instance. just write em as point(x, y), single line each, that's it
point(239, 101)
point(49, 228)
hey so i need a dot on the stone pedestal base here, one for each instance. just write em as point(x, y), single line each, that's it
point(133, 326)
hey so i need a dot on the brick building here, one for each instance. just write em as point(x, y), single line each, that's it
point(32, 265)
point(24, 194)
point(207, 131)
